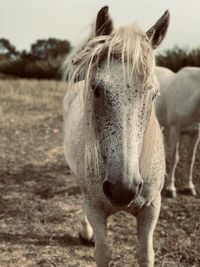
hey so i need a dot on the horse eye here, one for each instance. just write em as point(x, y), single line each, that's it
point(154, 96)
point(97, 90)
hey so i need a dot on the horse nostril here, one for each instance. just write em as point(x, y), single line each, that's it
point(107, 189)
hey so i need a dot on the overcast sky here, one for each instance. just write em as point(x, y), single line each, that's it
point(25, 21)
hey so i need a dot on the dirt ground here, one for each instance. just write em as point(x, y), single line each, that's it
point(40, 202)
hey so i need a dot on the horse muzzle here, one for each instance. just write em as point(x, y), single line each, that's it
point(120, 193)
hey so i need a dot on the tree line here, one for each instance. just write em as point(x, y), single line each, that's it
point(42, 61)
point(45, 57)
point(177, 58)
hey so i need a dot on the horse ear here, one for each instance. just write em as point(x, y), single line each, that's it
point(104, 25)
point(157, 33)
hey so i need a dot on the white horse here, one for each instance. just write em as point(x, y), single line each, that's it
point(178, 109)
point(112, 139)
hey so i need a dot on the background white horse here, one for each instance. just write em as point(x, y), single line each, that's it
point(178, 109)
point(113, 142)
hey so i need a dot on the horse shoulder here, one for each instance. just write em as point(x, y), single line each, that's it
point(185, 97)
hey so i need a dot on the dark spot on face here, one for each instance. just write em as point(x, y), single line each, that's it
point(97, 89)
point(104, 157)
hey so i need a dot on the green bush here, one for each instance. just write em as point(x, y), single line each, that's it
point(26, 68)
point(43, 61)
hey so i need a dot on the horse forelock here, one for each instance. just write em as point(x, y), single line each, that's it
point(129, 45)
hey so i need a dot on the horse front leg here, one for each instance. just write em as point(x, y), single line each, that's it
point(98, 221)
point(188, 187)
point(146, 221)
point(86, 232)
point(174, 135)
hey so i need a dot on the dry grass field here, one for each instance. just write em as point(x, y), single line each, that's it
point(40, 202)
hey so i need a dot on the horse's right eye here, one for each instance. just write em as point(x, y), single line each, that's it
point(97, 90)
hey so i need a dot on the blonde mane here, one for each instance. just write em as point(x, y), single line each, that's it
point(128, 45)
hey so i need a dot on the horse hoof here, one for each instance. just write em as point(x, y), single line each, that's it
point(85, 241)
point(188, 191)
point(170, 194)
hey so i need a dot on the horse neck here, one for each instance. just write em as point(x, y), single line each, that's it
point(151, 135)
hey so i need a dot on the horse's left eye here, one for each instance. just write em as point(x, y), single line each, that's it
point(97, 90)
point(154, 96)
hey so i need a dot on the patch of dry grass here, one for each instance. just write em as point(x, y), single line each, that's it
point(40, 201)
